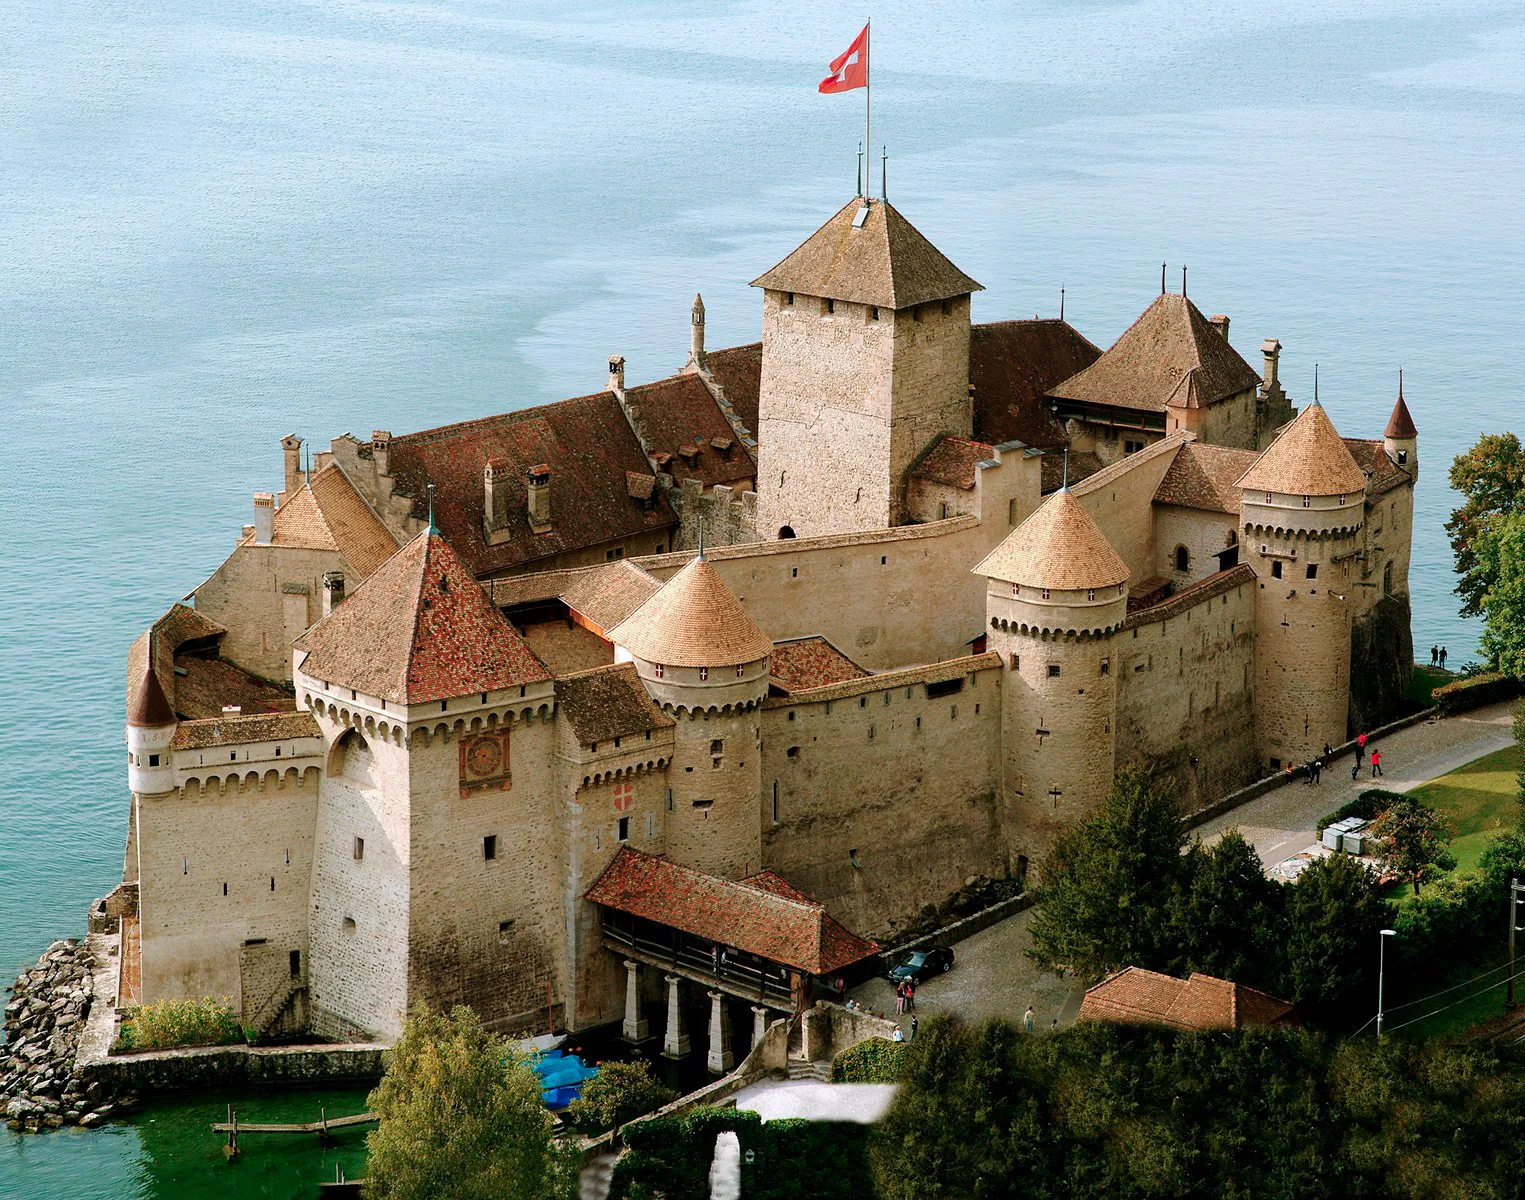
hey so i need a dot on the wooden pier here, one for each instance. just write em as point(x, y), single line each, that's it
point(324, 1126)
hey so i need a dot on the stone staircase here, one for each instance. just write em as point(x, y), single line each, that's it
point(275, 1007)
point(801, 1068)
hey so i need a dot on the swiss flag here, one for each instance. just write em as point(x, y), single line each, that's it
point(849, 69)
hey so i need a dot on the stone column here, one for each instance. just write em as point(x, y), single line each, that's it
point(636, 1029)
point(759, 1024)
point(720, 1058)
point(675, 1041)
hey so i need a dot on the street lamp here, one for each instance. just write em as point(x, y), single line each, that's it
point(1381, 969)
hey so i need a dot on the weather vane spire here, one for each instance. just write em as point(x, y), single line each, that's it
point(433, 528)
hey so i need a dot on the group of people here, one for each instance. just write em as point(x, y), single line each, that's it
point(1313, 771)
point(1438, 657)
point(905, 996)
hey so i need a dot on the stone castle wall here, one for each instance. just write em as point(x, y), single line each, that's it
point(930, 393)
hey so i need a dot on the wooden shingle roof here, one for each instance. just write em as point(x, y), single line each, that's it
point(1058, 546)
point(1205, 477)
point(1308, 459)
point(693, 621)
point(329, 514)
point(1134, 996)
point(607, 702)
point(885, 261)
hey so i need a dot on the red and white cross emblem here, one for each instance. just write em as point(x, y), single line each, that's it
point(624, 796)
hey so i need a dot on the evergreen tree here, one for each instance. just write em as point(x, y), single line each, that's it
point(1334, 914)
point(1230, 921)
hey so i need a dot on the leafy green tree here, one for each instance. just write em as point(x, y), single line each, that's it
point(620, 1092)
point(1501, 558)
point(1229, 921)
point(1491, 476)
point(1413, 841)
point(462, 1119)
point(1109, 884)
point(1334, 913)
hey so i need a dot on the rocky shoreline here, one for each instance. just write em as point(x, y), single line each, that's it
point(44, 1018)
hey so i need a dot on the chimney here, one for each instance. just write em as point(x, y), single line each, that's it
point(696, 333)
point(617, 374)
point(333, 590)
point(1271, 348)
point(381, 450)
point(264, 518)
point(495, 495)
point(291, 448)
point(539, 494)
point(1219, 322)
point(232, 710)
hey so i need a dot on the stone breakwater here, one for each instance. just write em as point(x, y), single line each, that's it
point(44, 1018)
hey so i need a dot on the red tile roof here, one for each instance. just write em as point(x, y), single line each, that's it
point(1134, 996)
point(951, 461)
point(244, 729)
point(148, 707)
point(809, 662)
point(761, 915)
point(590, 449)
point(693, 620)
point(1012, 365)
point(1382, 473)
point(329, 514)
point(738, 371)
point(1205, 477)
point(1307, 458)
point(1400, 425)
point(420, 628)
point(1058, 546)
point(607, 702)
point(679, 415)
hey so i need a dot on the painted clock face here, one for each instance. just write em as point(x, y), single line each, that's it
point(484, 757)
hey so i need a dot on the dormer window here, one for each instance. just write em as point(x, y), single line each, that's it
point(704, 673)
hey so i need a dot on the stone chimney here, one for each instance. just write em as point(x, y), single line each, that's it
point(381, 450)
point(696, 331)
point(333, 590)
point(1219, 321)
point(264, 518)
point(291, 449)
point(538, 491)
point(1271, 348)
point(495, 495)
point(617, 375)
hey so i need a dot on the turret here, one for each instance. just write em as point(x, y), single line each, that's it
point(1056, 594)
point(1303, 512)
point(1400, 439)
point(151, 727)
point(704, 660)
point(696, 336)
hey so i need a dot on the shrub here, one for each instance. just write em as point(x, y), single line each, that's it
point(167, 1024)
point(1474, 691)
point(876, 1060)
point(1366, 806)
point(620, 1092)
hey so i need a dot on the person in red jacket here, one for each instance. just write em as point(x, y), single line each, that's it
point(1376, 762)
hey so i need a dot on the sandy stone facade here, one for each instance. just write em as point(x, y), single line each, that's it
point(415, 719)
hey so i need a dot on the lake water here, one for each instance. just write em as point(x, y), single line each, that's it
point(226, 220)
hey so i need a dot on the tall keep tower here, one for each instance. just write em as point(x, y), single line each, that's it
point(1057, 593)
point(1303, 512)
point(705, 661)
point(865, 361)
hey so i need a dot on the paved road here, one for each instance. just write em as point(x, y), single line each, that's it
point(1283, 822)
point(992, 977)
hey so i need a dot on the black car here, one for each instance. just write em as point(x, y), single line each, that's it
point(920, 965)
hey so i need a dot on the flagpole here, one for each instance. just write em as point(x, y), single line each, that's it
point(868, 92)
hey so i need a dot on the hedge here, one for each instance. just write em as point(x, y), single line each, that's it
point(875, 1060)
point(1366, 806)
point(791, 1160)
point(1474, 691)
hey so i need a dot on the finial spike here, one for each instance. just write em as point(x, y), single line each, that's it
point(884, 173)
point(433, 528)
point(1315, 383)
point(860, 168)
point(701, 539)
point(1162, 279)
point(1065, 486)
point(1183, 281)
point(1400, 383)
point(1061, 304)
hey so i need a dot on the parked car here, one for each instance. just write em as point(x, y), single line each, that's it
point(919, 965)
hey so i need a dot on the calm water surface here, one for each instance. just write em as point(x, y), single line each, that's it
point(226, 220)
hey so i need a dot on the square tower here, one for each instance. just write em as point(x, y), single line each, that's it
point(865, 362)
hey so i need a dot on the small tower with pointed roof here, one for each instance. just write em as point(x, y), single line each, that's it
point(151, 725)
point(704, 660)
point(865, 362)
point(1056, 595)
point(1301, 529)
point(1401, 439)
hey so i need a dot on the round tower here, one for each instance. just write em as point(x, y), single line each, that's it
point(150, 730)
point(1401, 439)
point(1303, 511)
point(705, 661)
point(1056, 594)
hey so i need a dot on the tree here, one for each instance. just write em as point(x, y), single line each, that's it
point(620, 1092)
point(462, 1118)
point(1334, 913)
point(1229, 922)
point(1412, 840)
point(1108, 886)
point(1501, 559)
point(1491, 476)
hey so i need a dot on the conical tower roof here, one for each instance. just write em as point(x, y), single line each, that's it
point(420, 628)
point(1307, 459)
point(1400, 425)
point(150, 707)
point(1059, 546)
point(884, 261)
point(693, 621)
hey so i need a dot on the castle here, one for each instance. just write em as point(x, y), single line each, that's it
point(468, 716)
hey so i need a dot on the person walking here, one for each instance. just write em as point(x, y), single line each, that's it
point(1328, 753)
point(913, 1027)
point(1376, 762)
point(1318, 772)
point(1027, 1019)
point(910, 995)
point(1442, 658)
point(899, 999)
point(1355, 769)
point(1434, 656)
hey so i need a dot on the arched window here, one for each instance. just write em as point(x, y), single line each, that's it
point(1183, 559)
point(785, 531)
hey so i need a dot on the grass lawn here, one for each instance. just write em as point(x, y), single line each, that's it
point(1480, 798)
point(1468, 1004)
